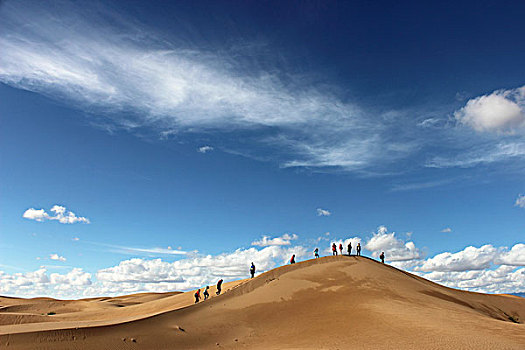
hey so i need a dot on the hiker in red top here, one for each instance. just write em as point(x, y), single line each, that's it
point(292, 260)
point(197, 296)
point(334, 249)
point(341, 248)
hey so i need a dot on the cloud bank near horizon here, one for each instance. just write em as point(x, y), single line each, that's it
point(484, 269)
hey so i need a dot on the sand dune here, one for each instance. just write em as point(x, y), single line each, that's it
point(330, 303)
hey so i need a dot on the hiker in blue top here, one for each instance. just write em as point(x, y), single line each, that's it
point(206, 294)
point(252, 270)
point(316, 253)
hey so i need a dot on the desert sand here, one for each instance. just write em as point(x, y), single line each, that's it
point(343, 302)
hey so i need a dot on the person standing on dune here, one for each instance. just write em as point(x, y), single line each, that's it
point(197, 296)
point(358, 249)
point(341, 248)
point(292, 260)
point(334, 249)
point(206, 294)
point(382, 257)
point(316, 253)
point(252, 270)
point(350, 248)
point(219, 286)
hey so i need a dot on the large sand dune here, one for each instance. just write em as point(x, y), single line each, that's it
point(329, 303)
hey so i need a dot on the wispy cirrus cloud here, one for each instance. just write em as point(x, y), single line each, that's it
point(121, 66)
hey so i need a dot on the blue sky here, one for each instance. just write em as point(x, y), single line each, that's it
point(163, 146)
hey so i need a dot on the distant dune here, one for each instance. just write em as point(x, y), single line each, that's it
point(329, 303)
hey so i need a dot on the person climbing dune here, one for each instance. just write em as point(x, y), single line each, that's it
point(382, 257)
point(334, 249)
point(206, 293)
point(341, 248)
point(252, 270)
point(358, 249)
point(350, 248)
point(219, 287)
point(292, 260)
point(197, 296)
point(316, 253)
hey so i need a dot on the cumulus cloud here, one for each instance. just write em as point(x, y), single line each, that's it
point(446, 230)
point(395, 249)
point(61, 214)
point(502, 110)
point(514, 257)
point(55, 256)
point(323, 212)
point(149, 275)
point(471, 258)
point(205, 149)
point(520, 201)
point(79, 57)
point(503, 279)
point(266, 241)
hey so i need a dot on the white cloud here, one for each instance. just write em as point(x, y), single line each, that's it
point(502, 110)
point(446, 230)
point(55, 256)
point(35, 214)
point(73, 55)
point(61, 215)
point(520, 201)
point(205, 149)
point(395, 249)
point(514, 257)
point(502, 151)
point(471, 258)
point(503, 279)
point(323, 212)
point(266, 241)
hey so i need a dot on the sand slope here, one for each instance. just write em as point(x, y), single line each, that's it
point(330, 303)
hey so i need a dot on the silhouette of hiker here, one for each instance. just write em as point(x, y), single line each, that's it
point(252, 270)
point(292, 260)
point(219, 286)
point(382, 257)
point(341, 248)
point(350, 248)
point(316, 253)
point(197, 296)
point(206, 294)
point(358, 249)
point(334, 249)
